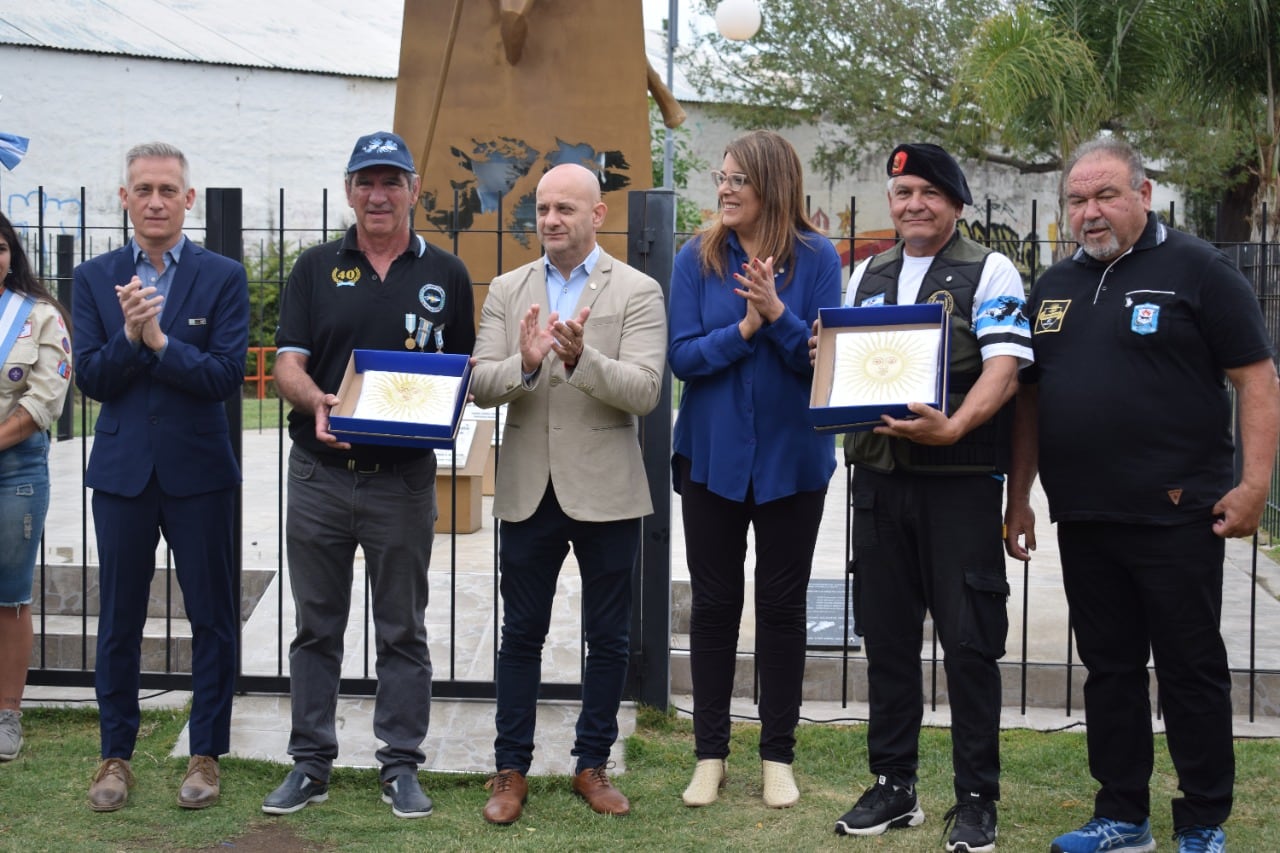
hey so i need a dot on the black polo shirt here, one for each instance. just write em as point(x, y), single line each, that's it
point(334, 302)
point(1134, 415)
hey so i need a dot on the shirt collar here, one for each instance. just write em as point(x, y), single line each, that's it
point(587, 265)
point(175, 251)
point(1153, 234)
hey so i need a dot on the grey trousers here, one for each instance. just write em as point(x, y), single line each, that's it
point(390, 514)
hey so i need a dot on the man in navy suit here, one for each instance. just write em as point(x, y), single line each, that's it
point(162, 327)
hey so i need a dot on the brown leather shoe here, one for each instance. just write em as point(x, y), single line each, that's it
point(200, 787)
point(594, 786)
point(506, 803)
point(111, 784)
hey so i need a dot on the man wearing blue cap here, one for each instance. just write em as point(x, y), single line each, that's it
point(927, 507)
point(381, 286)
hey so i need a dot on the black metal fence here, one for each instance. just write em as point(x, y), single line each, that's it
point(64, 655)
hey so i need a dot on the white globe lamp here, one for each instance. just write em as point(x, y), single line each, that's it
point(738, 20)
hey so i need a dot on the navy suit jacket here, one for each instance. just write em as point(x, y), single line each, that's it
point(162, 415)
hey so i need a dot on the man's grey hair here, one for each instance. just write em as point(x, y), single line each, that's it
point(157, 149)
point(1112, 147)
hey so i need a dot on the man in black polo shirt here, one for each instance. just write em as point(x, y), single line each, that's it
point(379, 287)
point(1127, 415)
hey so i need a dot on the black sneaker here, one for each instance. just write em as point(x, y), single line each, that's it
point(405, 796)
point(973, 826)
point(295, 793)
point(882, 806)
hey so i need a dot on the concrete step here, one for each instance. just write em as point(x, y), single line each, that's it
point(70, 590)
point(70, 642)
point(831, 677)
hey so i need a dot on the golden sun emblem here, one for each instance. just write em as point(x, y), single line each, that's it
point(409, 397)
point(885, 367)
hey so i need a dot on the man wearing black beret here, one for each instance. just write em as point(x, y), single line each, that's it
point(927, 507)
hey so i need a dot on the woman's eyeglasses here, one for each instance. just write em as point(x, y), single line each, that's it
point(736, 181)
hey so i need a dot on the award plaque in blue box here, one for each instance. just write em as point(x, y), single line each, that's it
point(875, 360)
point(408, 399)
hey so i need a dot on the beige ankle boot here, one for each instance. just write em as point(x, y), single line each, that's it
point(780, 789)
point(708, 778)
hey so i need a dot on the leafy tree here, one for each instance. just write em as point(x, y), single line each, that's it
point(1225, 67)
point(871, 74)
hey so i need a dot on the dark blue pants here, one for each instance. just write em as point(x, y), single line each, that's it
point(931, 543)
point(786, 531)
point(198, 529)
point(1138, 592)
point(531, 553)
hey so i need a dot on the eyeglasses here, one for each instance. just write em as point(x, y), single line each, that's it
point(736, 181)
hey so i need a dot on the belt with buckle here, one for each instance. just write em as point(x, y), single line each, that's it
point(355, 465)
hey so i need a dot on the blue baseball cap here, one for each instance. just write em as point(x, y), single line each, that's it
point(380, 149)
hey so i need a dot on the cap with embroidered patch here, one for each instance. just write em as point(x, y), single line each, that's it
point(932, 163)
point(380, 149)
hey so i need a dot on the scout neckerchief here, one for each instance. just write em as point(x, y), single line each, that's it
point(14, 308)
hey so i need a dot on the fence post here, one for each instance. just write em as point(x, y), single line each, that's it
point(651, 219)
point(64, 261)
point(224, 234)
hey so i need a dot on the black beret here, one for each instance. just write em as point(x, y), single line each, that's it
point(932, 163)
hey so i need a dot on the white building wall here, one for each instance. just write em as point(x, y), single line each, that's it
point(256, 129)
point(263, 130)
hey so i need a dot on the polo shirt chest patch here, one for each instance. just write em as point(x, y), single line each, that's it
point(431, 296)
point(1145, 319)
point(345, 278)
point(1051, 315)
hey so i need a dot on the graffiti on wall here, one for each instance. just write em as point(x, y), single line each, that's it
point(1023, 251)
point(61, 215)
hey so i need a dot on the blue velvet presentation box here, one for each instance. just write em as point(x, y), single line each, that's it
point(898, 355)
point(345, 426)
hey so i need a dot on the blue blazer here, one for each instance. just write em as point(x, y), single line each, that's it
point(162, 415)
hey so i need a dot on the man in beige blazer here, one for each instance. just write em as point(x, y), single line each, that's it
point(570, 471)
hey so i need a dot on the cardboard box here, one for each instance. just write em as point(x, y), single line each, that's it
point(347, 427)
point(474, 412)
point(899, 356)
point(469, 477)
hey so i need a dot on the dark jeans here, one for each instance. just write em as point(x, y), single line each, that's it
point(391, 516)
point(531, 553)
point(786, 531)
point(1140, 591)
point(931, 543)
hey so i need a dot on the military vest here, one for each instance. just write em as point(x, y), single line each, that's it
point(952, 279)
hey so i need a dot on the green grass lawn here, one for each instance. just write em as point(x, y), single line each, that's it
point(1047, 790)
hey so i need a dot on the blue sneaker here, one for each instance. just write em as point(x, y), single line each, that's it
point(1103, 833)
point(295, 793)
point(1201, 839)
point(404, 795)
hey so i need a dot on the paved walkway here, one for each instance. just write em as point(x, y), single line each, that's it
point(463, 594)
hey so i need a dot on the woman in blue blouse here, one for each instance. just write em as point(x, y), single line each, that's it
point(744, 295)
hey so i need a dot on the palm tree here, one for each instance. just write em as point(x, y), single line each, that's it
point(1049, 75)
point(1226, 69)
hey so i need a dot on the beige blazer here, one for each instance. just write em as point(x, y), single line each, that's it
point(578, 430)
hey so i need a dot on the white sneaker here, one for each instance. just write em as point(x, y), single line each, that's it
point(10, 734)
point(708, 778)
point(780, 789)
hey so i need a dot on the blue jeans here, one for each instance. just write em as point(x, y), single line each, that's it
point(531, 554)
point(24, 502)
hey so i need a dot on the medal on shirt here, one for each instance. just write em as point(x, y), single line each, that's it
point(423, 334)
point(440, 338)
point(410, 325)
